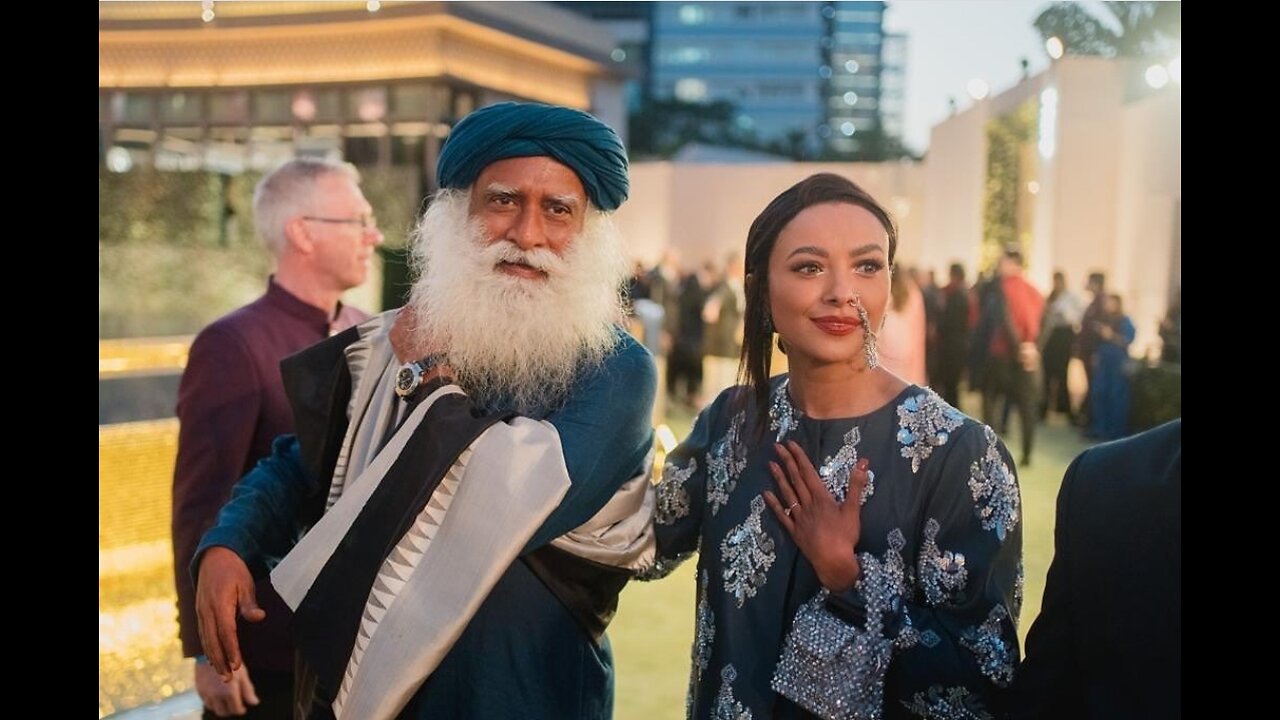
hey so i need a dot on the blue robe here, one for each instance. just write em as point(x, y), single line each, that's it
point(524, 654)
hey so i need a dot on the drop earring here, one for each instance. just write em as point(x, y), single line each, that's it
point(869, 349)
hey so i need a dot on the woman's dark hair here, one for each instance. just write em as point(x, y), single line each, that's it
point(757, 339)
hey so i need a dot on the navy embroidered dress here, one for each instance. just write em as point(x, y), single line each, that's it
point(928, 631)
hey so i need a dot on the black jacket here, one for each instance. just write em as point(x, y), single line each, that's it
point(1108, 642)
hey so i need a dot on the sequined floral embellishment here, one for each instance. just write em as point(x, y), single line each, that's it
point(672, 497)
point(747, 553)
point(883, 582)
point(994, 489)
point(704, 629)
point(942, 573)
point(662, 567)
point(727, 706)
point(939, 703)
point(925, 422)
point(725, 463)
point(835, 470)
point(995, 658)
point(783, 417)
point(1019, 583)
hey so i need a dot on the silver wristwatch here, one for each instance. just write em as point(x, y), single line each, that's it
point(410, 375)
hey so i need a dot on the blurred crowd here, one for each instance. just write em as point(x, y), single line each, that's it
point(999, 337)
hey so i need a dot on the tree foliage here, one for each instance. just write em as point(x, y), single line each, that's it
point(1131, 29)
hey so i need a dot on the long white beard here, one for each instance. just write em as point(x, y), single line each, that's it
point(509, 339)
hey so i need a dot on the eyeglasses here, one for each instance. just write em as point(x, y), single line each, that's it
point(366, 222)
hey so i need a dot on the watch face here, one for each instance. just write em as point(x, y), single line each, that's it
point(407, 380)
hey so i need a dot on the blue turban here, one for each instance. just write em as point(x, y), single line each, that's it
point(510, 130)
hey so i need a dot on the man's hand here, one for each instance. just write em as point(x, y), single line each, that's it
point(223, 585)
point(225, 699)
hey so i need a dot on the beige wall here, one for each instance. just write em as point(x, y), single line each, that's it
point(1118, 178)
point(704, 211)
point(1109, 195)
point(1149, 232)
point(645, 218)
point(954, 173)
point(1082, 178)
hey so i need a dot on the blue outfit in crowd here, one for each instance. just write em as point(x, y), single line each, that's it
point(1109, 393)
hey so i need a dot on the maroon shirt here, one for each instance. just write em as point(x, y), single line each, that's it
point(231, 405)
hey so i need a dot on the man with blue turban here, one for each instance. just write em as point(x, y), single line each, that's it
point(469, 470)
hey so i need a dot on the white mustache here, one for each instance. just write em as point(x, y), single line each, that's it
point(542, 259)
point(512, 340)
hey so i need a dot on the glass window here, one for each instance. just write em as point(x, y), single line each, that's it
point(688, 56)
point(309, 106)
point(136, 109)
point(691, 90)
point(418, 102)
point(780, 91)
point(328, 105)
point(361, 150)
point(180, 108)
point(867, 16)
point(367, 104)
point(463, 104)
point(272, 106)
point(692, 14)
point(229, 108)
point(408, 150)
point(857, 38)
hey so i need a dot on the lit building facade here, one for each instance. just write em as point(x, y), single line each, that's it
point(377, 84)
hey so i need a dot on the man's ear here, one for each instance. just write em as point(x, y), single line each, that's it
point(297, 235)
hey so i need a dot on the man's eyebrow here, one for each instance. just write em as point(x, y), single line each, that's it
point(500, 189)
point(571, 200)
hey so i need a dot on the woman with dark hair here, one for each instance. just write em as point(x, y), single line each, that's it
point(859, 538)
point(1109, 393)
